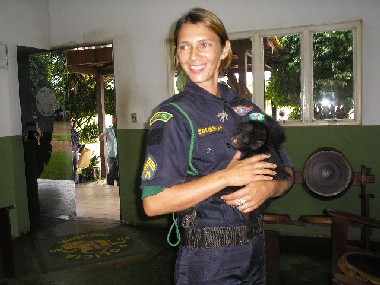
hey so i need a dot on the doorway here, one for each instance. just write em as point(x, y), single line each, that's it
point(47, 136)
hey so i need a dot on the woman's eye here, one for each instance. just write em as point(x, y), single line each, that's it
point(183, 47)
point(205, 44)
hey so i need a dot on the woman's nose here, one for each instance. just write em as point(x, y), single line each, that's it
point(193, 53)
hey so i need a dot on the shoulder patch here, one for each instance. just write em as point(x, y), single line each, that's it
point(149, 169)
point(160, 116)
point(243, 110)
point(257, 117)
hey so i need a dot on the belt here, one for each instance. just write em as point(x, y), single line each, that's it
point(212, 237)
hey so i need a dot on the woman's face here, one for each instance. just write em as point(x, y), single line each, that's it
point(199, 53)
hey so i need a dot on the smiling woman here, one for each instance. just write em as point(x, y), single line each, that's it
point(193, 131)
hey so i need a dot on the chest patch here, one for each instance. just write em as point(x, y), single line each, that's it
point(210, 130)
point(242, 110)
point(160, 116)
point(149, 169)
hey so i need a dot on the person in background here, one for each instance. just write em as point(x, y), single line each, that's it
point(190, 163)
point(76, 148)
point(110, 135)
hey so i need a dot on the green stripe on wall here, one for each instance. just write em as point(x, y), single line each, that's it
point(359, 145)
point(13, 183)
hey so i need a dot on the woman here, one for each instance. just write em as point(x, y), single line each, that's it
point(190, 163)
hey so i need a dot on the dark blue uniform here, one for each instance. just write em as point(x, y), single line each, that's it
point(190, 135)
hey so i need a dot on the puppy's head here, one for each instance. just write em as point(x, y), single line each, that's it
point(251, 135)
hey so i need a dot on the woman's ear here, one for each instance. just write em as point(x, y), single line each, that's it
point(226, 50)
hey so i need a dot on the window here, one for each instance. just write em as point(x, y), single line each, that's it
point(300, 76)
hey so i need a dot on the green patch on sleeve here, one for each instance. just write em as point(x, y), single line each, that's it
point(151, 190)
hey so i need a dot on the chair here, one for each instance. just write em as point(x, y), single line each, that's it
point(352, 264)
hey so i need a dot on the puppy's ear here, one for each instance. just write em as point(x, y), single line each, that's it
point(275, 131)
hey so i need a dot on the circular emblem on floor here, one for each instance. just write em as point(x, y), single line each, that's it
point(91, 246)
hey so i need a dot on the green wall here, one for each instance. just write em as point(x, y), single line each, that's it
point(13, 184)
point(359, 145)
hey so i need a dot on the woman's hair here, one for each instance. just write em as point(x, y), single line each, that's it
point(211, 21)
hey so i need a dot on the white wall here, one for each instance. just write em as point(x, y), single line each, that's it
point(139, 28)
point(22, 23)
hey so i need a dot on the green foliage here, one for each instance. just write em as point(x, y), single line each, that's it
point(59, 167)
point(90, 173)
point(333, 73)
point(88, 132)
point(109, 96)
point(181, 81)
point(284, 88)
point(49, 70)
point(75, 92)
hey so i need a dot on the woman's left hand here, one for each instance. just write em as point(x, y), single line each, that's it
point(250, 197)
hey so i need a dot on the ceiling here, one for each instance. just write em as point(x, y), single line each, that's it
point(91, 60)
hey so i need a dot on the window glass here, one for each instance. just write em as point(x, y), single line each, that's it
point(299, 76)
point(333, 92)
point(282, 68)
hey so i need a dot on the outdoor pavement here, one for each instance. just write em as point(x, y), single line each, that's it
point(64, 199)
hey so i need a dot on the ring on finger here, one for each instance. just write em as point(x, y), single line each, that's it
point(241, 202)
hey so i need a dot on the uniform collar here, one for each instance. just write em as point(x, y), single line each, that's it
point(227, 94)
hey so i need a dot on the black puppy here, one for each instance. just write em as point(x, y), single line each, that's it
point(261, 134)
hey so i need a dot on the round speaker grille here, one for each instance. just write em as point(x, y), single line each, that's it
point(327, 174)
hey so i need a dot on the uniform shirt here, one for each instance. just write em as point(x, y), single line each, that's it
point(169, 155)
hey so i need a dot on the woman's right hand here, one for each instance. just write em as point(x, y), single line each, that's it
point(252, 169)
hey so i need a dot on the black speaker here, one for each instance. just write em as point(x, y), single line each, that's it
point(327, 174)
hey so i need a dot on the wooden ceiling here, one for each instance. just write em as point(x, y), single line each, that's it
point(90, 60)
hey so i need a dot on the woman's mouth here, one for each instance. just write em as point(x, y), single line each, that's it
point(197, 68)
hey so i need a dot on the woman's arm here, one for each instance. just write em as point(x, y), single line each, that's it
point(185, 195)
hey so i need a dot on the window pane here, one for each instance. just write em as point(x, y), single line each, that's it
point(282, 67)
point(333, 88)
point(239, 76)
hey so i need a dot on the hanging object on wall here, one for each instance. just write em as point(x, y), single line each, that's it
point(327, 174)
point(46, 101)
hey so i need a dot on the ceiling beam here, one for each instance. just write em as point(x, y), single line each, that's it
point(98, 56)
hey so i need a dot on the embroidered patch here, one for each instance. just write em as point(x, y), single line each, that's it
point(155, 136)
point(160, 116)
point(223, 116)
point(242, 110)
point(210, 130)
point(149, 169)
point(256, 117)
